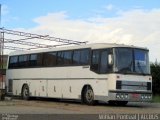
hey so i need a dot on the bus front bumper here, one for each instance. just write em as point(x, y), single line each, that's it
point(130, 96)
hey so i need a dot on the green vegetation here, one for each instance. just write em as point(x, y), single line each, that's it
point(155, 71)
point(156, 98)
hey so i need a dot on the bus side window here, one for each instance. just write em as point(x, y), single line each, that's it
point(22, 61)
point(104, 62)
point(84, 57)
point(39, 60)
point(67, 57)
point(81, 57)
point(60, 58)
point(49, 59)
point(13, 62)
point(99, 62)
point(33, 60)
point(76, 57)
point(95, 60)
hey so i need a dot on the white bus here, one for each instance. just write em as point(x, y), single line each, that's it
point(111, 73)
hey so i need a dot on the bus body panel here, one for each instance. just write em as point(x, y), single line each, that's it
point(55, 84)
point(70, 87)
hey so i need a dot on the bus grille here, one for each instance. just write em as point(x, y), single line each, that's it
point(133, 85)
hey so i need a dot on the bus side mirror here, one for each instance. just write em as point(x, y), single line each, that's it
point(110, 59)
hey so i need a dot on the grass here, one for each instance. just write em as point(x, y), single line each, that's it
point(156, 98)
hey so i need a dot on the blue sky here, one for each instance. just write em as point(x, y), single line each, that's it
point(20, 13)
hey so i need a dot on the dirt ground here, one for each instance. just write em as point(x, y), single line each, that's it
point(59, 107)
point(53, 106)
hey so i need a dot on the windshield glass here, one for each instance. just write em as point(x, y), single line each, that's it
point(124, 60)
point(129, 60)
point(141, 61)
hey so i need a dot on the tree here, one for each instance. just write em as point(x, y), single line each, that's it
point(155, 71)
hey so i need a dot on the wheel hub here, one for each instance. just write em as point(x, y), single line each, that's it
point(89, 95)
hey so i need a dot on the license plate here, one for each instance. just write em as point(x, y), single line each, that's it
point(136, 96)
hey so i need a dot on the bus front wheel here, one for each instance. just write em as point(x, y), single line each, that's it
point(25, 92)
point(88, 96)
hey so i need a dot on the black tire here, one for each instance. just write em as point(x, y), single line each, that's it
point(111, 102)
point(25, 92)
point(118, 103)
point(122, 103)
point(88, 96)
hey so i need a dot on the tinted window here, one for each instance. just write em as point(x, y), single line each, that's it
point(81, 57)
point(13, 62)
point(22, 61)
point(141, 61)
point(67, 57)
point(95, 60)
point(22, 58)
point(39, 59)
point(60, 58)
point(35, 60)
point(13, 59)
point(33, 57)
point(49, 59)
point(76, 57)
point(84, 56)
point(124, 60)
point(104, 62)
point(99, 61)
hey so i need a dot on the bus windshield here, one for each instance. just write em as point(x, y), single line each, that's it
point(129, 60)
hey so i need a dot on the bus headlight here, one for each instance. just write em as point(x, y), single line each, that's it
point(121, 96)
point(117, 96)
point(149, 97)
point(126, 96)
point(144, 96)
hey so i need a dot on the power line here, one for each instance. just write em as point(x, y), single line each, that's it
point(44, 37)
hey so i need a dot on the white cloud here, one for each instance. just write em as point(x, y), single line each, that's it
point(134, 27)
point(109, 7)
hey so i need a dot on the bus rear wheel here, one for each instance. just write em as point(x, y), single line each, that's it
point(25, 92)
point(88, 96)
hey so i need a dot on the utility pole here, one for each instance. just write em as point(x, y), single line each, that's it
point(0, 14)
point(1, 57)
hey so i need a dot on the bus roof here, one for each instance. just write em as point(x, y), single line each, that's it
point(92, 46)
